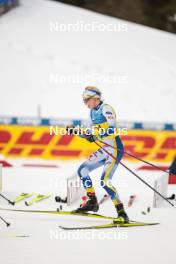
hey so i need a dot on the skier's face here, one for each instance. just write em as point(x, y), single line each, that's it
point(92, 102)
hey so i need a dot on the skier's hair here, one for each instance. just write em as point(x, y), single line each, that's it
point(93, 88)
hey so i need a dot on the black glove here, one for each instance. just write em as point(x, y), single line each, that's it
point(69, 129)
point(91, 138)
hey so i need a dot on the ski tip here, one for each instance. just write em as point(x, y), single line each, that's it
point(26, 203)
point(172, 197)
point(62, 227)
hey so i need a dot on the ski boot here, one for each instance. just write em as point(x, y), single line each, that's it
point(91, 204)
point(122, 215)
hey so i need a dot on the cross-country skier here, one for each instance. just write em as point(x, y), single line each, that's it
point(102, 116)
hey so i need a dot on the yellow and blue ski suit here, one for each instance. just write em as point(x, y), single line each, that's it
point(104, 117)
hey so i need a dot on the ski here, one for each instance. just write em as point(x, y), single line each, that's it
point(37, 199)
point(13, 236)
point(172, 197)
point(22, 197)
point(111, 225)
point(91, 215)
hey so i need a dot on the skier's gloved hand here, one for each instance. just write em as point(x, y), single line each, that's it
point(70, 129)
point(92, 138)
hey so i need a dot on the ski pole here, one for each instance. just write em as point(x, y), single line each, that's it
point(145, 183)
point(129, 154)
point(7, 224)
point(135, 174)
point(10, 202)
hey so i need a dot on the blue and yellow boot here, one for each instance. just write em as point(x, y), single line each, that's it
point(122, 216)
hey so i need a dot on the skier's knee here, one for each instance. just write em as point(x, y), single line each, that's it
point(105, 183)
point(83, 171)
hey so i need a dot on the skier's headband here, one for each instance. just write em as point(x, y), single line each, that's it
point(91, 93)
point(95, 92)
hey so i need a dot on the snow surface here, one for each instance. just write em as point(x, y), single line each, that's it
point(142, 60)
point(47, 243)
point(29, 52)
